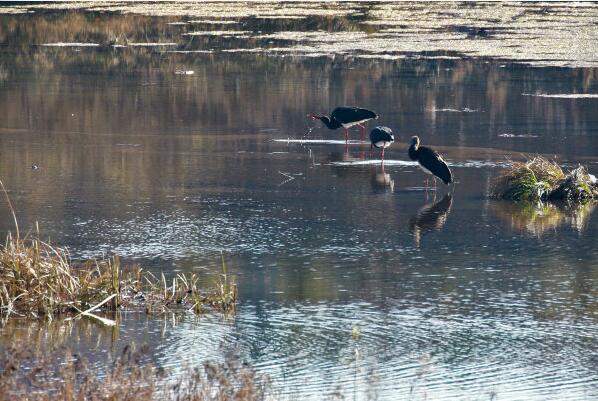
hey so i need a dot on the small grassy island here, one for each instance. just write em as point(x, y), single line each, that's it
point(539, 180)
point(38, 279)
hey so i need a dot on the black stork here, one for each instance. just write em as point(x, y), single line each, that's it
point(346, 117)
point(430, 161)
point(381, 137)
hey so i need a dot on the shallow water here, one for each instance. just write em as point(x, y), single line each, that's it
point(454, 295)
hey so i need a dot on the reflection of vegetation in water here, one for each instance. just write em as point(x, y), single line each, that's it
point(525, 32)
point(565, 35)
point(132, 376)
point(24, 32)
point(537, 218)
point(578, 217)
point(149, 74)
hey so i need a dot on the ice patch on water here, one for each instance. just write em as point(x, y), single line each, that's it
point(153, 44)
point(210, 21)
point(254, 50)
point(477, 164)
point(409, 163)
point(189, 51)
point(388, 162)
point(420, 189)
point(217, 33)
point(321, 141)
point(70, 44)
point(184, 72)
point(381, 56)
point(449, 110)
point(564, 95)
point(518, 136)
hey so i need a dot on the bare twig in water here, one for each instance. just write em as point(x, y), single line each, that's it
point(289, 178)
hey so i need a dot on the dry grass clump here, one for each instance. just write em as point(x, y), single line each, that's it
point(27, 374)
point(539, 180)
point(530, 181)
point(183, 292)
point(38, 279)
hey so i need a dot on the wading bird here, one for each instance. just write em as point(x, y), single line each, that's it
point(346, 117)
point(381, 137)
point(430, 161)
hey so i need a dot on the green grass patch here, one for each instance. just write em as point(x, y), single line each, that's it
point(539, 179)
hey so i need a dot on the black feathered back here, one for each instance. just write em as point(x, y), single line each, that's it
point(381, 134)
point(433, 162)
point(430, 160)
point(346, 114)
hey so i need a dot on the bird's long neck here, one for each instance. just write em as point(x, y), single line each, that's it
point(330, 123)
point(413, 155)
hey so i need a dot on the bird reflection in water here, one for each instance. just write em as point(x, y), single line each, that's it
point(431, 217)
point(381, 180)
point(337, 155)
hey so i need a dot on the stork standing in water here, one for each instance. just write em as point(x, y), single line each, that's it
point(430, 161)
point(381, 137)
point(346, 117)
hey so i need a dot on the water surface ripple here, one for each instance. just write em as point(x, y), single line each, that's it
point(170, 133)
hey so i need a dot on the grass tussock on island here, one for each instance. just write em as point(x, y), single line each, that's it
point(28, 374)
point(540, 180)
point(38, 279)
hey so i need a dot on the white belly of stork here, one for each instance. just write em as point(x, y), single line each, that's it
point(382, 144)
point(425, 169)
point(352, 123)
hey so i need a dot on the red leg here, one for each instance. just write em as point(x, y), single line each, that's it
point(346, 136)
point(383, 154)
point(362, 132)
